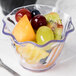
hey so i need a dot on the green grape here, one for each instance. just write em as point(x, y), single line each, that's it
point(43, 35)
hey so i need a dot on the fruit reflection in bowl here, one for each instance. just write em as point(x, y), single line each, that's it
point(38, 33)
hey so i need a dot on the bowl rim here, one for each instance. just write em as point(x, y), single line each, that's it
point(31, 5)
point(20, 43)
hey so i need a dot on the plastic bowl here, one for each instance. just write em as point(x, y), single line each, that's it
point(53, 47)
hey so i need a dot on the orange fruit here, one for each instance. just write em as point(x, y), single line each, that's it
point(23, 30)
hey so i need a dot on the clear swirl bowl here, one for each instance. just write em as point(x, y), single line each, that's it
point(53, 47)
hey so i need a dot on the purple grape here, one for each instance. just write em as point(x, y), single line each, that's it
point(38, 21)
point(35, 12)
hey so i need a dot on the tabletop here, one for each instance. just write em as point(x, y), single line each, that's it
point(66, 64)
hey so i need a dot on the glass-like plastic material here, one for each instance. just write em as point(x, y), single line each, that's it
point(31, 60)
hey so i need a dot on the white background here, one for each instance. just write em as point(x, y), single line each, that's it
point(66, 65)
